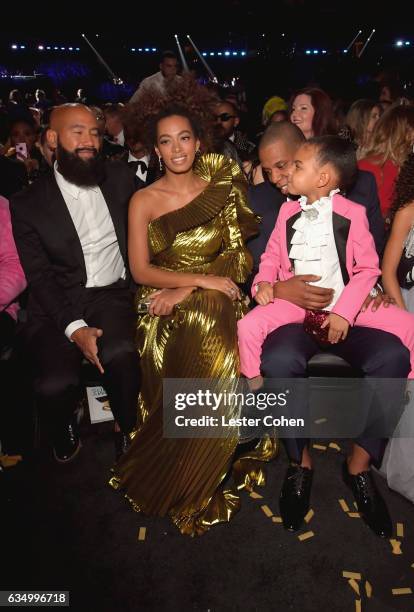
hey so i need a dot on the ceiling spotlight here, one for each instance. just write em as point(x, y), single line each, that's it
point(40, 47)
point(14, 46)
point(399, 43)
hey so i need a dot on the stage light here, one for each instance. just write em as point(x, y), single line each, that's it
point(211, 53)
point(22, 47)
point(243, 53)
point(154, 49)
point(40, 47)
point(48, 48)
point(63, 48)
point(407, 43)
point(324, 51)
point(70, 48)
point(56, 48)
point(345, 51)
point(399, 43)
point(219, 53)
point(204, 53)
point(132, 49)
point(147, 49)
point(139, 49)
point(77, 49)
point(235, 53)
point(14, 46)
point(227, 53)
point(307, 52)
point(315, 51)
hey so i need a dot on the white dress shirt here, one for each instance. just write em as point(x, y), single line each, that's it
point(156, 83)
point(313, 247)
point(93, 223)
point(141, 175)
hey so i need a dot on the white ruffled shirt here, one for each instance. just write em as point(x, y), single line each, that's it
point(313, 247)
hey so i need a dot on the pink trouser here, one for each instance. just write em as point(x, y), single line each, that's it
point(263, 320)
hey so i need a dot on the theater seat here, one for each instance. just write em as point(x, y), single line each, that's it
point(326, 365)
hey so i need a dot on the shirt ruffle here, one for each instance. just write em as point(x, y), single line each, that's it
point(312, 234)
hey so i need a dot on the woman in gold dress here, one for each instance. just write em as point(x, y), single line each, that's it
point(187, 252)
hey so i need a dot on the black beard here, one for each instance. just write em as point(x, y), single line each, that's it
point(81, 172)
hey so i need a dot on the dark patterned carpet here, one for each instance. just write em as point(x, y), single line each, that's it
point(66, 529)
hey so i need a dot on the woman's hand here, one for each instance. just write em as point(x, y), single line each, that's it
point(376, 301)
point(220, 283)
point(264, 294)
point(162, 302)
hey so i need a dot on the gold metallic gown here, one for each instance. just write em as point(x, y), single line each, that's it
point(181, 477)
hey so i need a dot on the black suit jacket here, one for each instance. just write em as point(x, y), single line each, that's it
point(49, 247)
point(153, 172)
point(265, 200)
point(365, 192)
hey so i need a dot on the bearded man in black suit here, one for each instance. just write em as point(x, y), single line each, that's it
point(70, 229)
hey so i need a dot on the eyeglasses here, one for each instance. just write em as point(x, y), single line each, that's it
point(224, 117)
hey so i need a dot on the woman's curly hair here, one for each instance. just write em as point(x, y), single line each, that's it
point(404, 185)
point(185, 98)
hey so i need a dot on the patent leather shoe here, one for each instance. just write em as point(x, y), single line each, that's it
point(370, 504)
point(295, 496)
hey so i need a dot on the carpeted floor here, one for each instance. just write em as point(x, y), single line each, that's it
point(68, 530)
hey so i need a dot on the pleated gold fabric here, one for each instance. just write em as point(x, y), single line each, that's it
point(182, 477)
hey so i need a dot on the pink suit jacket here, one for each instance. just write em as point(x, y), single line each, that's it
point(356, 251)
point(12, 279)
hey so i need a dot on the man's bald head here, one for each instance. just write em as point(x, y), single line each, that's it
point(282, 131)
point(277, 150)
point(67, 113)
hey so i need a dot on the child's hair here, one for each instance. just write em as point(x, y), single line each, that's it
point(341, 154)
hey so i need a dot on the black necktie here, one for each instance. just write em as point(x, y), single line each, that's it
point(138, 164)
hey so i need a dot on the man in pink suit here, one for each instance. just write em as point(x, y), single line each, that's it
point(328, 238)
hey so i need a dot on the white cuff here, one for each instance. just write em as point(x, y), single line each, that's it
point(72, 327)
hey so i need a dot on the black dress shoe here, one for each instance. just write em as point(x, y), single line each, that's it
point(122, 443)
point(295, 496)
point(66, 443)
point(370, 504)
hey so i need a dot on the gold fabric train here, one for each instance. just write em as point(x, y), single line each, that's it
point(182, 477)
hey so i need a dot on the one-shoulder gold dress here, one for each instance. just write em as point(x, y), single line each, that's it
point(182, 477)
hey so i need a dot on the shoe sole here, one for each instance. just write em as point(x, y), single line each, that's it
point(71, 458)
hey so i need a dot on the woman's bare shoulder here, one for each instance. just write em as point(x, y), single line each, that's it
point(147, 197)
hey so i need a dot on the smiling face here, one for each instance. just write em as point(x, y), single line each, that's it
point(176, 143)
point(75, 139)
point(76, 129)
point(302, 114)
point(276, 160)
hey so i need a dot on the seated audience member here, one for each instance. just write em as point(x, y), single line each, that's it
point(12, 279)
point(70, 231)
point(143, 164)
point(23, 137)
point(12, 284)
point(391, 142)
point(361, 120)
point(287, 351)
